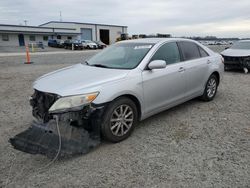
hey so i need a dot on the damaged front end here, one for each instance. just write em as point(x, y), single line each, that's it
point(65, 133)
point(236, 62)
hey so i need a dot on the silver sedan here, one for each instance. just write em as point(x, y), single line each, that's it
point(133, 80)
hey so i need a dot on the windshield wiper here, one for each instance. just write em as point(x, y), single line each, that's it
point(100, 65)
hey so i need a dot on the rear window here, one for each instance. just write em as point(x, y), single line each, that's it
point(189, 50)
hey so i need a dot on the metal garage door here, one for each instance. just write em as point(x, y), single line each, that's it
point(86, 34)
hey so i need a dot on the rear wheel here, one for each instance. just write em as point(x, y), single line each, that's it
point(211, 88)
point(119, 121)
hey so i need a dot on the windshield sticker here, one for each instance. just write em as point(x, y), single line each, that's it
point(143, 47)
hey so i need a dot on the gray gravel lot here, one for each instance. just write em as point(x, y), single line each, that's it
point(196, 144)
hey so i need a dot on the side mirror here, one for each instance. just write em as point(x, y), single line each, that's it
point(226, 48)
point(157, 64)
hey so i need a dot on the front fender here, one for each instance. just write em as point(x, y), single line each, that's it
point(128, 86)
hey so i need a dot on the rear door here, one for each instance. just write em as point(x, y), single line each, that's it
point(196, 66)
point(163, 87)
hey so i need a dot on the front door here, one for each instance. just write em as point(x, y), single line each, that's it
point(21, 40)
point(164, 87)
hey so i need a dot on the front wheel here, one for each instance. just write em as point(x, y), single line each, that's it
point(119, 121)
point(210, 89)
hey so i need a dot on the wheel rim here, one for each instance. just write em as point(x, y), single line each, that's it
point(121, 120)
point(211, 87)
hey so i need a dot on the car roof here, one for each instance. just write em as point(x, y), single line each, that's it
point(159, 41)
point(156, 40)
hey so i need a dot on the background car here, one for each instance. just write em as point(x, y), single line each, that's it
point(77, 44)
point(237, 56)
point(60, 44)
point(88, 44)
point(52, 43)
point(100, 44)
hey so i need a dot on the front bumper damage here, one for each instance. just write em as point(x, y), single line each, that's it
point(236, 62)
point(66, 134)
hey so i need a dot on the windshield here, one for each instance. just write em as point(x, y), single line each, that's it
point(121, 56)
point(242, 45)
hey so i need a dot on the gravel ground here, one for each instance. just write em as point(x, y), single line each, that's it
point(196, 144)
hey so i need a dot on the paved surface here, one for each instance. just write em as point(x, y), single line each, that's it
point(196, 144)
point(48, 58)
point(21, 49)
point(48, 53)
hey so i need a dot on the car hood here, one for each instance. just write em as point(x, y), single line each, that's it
point(236, 53)
point(77, 79)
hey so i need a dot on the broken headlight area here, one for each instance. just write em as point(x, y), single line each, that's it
point(73, 131)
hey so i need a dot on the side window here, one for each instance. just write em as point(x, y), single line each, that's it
point(32, 38)
point(5, 37)
point(189, 50)
point(169, 52)
point(45, 38)
point(203, 52)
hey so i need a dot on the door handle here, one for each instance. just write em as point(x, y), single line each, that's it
point(208, 62)
point(181, 69)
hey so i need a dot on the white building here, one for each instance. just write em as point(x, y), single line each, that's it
point(89, 31)
point(18, 35)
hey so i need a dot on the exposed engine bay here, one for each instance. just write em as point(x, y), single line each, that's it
point(66, 134)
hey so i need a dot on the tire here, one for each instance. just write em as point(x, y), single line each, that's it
point(113, 127)
point(210, 89)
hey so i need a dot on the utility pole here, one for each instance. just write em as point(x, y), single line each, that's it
point(25, 22)
point(60, 16)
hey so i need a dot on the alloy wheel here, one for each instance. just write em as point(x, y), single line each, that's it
point(211, 87)
point(121, 120)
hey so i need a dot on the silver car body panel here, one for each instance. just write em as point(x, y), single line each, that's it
point(78, 79)
point(156, 90)
point(236, 52)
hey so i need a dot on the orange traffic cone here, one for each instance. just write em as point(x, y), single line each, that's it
point(27, 56)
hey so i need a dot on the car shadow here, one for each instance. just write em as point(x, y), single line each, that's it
point(184, 106)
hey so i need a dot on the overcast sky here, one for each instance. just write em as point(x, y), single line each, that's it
point(222, 18)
